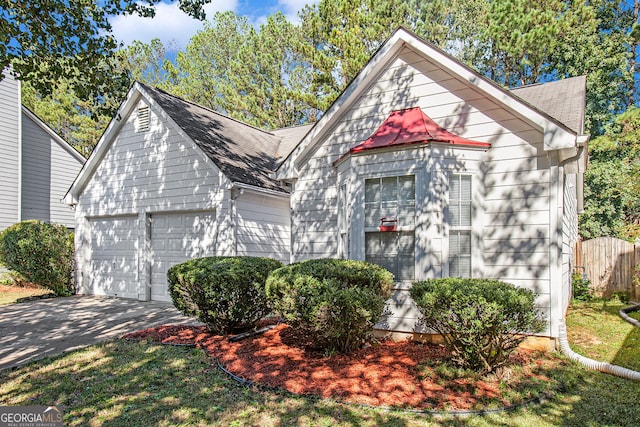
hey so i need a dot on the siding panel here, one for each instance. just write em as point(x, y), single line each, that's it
point(48, 170)
point(263, 227)
point(9, 151)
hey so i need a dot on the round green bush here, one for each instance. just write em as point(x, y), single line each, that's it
point(225, 293)
point(40, 253)
point(481, 321)
point(336, 301)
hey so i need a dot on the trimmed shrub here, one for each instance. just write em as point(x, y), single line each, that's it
point(481, 321)
point(225, 293)
point(336, 301)
point(40, 253)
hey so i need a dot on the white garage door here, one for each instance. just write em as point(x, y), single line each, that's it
point(113, 267)
point(176, 238)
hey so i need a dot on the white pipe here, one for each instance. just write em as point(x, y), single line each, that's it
point(590, 363)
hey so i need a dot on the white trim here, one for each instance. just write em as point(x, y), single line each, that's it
point(556, 201)
point(260, 190)
point(19, 151)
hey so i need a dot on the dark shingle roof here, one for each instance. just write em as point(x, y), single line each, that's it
point(290, 137)
point(245, 154)
point(564, 100)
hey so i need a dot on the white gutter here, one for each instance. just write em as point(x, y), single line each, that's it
point(257, 189)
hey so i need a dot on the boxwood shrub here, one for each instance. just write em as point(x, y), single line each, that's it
point(336, 301)
point(481, 321)
point(225, 293)
point(39, 253)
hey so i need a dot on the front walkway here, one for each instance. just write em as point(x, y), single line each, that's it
point(32, 330)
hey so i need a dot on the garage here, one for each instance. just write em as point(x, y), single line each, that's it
point(113, 267)
point(175, 238)
point(168, 182)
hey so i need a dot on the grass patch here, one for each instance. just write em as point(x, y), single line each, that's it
point(597, 331)
point(9, 294)
point(125, 383)
point(521, 380)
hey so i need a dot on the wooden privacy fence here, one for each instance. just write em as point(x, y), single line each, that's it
point(610, 264)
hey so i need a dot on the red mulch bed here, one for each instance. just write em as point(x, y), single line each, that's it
point(385, 374)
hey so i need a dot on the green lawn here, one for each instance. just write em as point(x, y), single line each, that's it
point(127, 383)
point(9, 294)
point(123, 383)
point(597, 331)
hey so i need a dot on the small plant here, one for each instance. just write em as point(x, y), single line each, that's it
point(39, 253)
point(581, 288)
point(335, 301)
point(481, 321)
point(622, 296)
point(225, 293)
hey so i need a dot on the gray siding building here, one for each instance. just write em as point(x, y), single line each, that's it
point(37, 166)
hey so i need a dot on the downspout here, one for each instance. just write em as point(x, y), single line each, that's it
point(582, 143)
point(235, 193)
point(572, 158)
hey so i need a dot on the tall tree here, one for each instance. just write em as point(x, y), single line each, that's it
point(339, 37)
point(71, 117)
point(144, 62)
point(602, 53)
point(202, 72)
point(256, 76)
point(46, 41)
point(612, 205)
point(270, 77)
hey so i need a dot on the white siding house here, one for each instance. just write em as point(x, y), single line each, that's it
point(37, 166)
point(170, 181)
point(494, 195)
point(421, 165)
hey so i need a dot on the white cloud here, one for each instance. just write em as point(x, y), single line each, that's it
point(289, 8)
point(169, 24)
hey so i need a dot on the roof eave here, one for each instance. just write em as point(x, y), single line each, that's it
point(261, 190)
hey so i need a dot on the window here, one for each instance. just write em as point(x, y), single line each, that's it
point(459, 219)
point(391, 197)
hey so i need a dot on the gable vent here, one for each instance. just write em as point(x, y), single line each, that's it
point(142, 119)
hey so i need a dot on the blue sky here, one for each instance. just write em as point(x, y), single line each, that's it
point(172, 25)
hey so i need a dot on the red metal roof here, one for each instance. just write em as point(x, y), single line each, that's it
point(411, 126)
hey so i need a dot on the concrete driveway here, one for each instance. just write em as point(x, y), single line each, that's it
point(32, 330)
